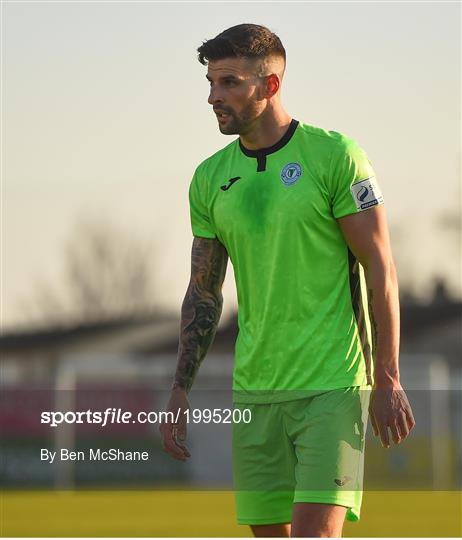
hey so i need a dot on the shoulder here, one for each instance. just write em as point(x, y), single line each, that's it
point(332, 141)
point(216, 160)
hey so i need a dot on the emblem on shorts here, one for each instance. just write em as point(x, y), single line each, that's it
point(342, 481)
point(291, 173)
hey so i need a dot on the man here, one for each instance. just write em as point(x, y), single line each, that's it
point(298, 211)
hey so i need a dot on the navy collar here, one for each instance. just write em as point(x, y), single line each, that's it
point(261, 153)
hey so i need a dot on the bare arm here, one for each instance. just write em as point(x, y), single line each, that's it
point(366, 234)
point(200, 314)
point(201, 308)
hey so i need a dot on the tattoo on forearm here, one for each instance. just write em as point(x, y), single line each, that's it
point(201, 309)
point(375, 329)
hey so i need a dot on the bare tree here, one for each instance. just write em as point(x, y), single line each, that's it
point(107, 273)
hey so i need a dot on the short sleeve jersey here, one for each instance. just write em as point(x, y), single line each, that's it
point(302, 305)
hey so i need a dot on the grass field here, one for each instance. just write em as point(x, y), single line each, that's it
point(207, 513)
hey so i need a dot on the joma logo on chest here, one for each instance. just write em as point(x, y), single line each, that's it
point(231, 181)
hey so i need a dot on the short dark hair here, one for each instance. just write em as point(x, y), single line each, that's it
point(243, 40)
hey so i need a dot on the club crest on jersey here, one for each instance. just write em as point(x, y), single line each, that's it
point(291, 173)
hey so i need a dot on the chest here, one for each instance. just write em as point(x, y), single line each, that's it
point(288, 195)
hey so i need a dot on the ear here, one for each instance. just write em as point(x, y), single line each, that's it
point(272, 85)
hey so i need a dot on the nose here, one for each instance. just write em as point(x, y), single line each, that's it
point(214, 96)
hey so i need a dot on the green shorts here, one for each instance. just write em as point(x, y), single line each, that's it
point(304, 450)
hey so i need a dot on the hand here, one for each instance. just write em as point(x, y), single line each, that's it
point(389, 408)
point(173, 435)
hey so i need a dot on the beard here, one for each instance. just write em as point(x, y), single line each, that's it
point(231, 126)
point(238, 124)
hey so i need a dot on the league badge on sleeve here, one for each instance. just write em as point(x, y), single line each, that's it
point(366, 193)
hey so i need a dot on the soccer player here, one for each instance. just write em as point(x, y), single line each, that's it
point(299, 212)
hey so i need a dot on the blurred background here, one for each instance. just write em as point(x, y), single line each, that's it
point(104, 119)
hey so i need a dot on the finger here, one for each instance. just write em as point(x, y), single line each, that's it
point(402, 425)
point(174, 450)
point(383, 431)
point(170, 445)
point(410, 418)
point(183, 448)
point(408, 411)
point(174, 438)
point(180, 437)
point(395, 433)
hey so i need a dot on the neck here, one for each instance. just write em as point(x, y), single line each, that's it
point(267, 129)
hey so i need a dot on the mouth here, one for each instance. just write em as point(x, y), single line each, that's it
point(222, 115)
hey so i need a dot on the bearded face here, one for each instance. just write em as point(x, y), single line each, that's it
point(235, 94)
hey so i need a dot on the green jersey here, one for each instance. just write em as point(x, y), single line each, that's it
point(302, 306)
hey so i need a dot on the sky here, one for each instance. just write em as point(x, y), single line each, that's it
point(105, 113)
